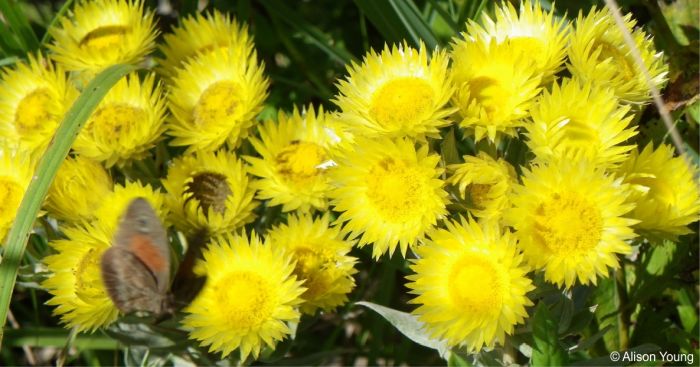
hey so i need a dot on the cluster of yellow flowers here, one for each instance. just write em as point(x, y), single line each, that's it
point(586, 193)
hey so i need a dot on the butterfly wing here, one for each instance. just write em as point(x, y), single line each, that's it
point(142, 234)
point(129, 282)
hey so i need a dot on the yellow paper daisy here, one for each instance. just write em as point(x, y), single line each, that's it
point(202, 34)
point(75, 282)
point(209, 190)
point(470, 284)
point(397, 93)
point(16, 169)
point(215, 98)
point(598, 53)
point(78, 190)
point(126, 124)
point(249, 300)
point(389, 193)
point(322, 260)
point(539, 36)
point(34, 96)
point(484, 182)
point(100, 33)
point(575, 120)
point(568, 217)
point(666, 191)
point(115, 204)
point(294, 160)
point(495, 86)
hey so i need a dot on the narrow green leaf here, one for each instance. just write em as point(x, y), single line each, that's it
point(44, 174)
point(546, 350)
point(443, 14)
point(414, 23)
point(311, 32)
point(19, 23)
point(398, 20)
point(54, 337)
point(408, 325)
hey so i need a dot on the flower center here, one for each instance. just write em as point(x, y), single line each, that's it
point(625, 66)
point(299, 161)
point(10, 195)
point(33, 113)
point(105, 38)
point(245, 299)
point(218, 103)
point(210, 189)
point(108, 123)
point(567, 223)
point(309, 264)
point(478, 194)
point(401, 103)
point(476, 285)
point(397, 190)
point(88, 279)
point(489, 93)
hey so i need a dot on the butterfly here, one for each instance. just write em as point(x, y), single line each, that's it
point(136, 269)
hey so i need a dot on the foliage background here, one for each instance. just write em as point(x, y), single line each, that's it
point(305, 46)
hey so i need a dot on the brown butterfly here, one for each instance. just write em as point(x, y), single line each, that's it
point(136, 269)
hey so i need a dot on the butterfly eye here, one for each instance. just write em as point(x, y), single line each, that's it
point(142, 223)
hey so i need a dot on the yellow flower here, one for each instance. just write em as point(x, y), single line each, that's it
point(666, 191)
point(598, 54)
point(202, 34)
point(16, 170)
point(75, 282)
point(100, 33)
point(78, 190)
point(115, 204)
point(470, 284)
point(539, 36)
point(568, 217)
point(34, 96)
point(249, 300)
point(295, 157)
point(495, 86)
point(397, 93)
point(389, 193)
point(126, 124)
point(486, 183)
point(215, 98)
point(322, 260)
point(578, 120)
point(209, 190)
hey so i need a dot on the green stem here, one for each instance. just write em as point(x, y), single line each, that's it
point(44, 174)
point(624, 315)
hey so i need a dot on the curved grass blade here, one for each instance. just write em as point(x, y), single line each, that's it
point(398, 20)
point(44, 174)
point(47, 35)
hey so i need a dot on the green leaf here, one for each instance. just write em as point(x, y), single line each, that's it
point(398, 20)
point(19, 23)
point(546, 350)
point(54, 337)
point(456, 360)
point(687, 311)
point(44, 174)
point(408, 325)
point(310, 32)
point(605, 296)
point(448, 148)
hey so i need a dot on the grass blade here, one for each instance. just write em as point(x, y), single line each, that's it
point(45, 171)
point(312, 33)
point(19, 23)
